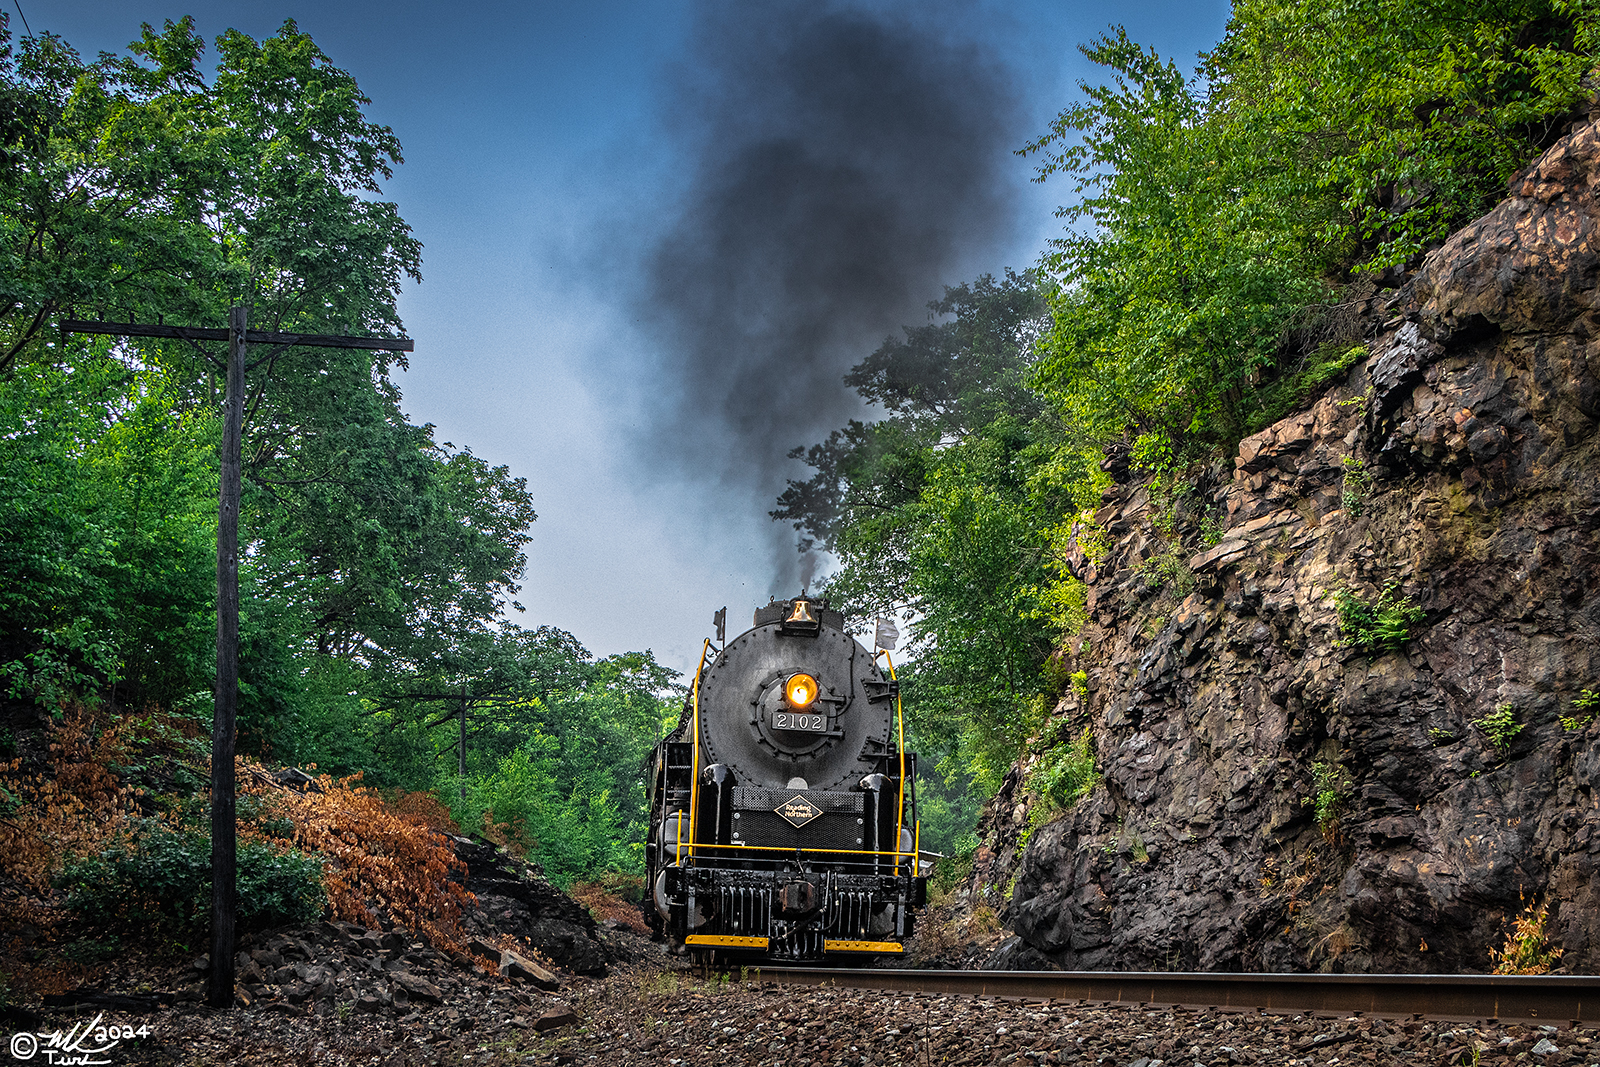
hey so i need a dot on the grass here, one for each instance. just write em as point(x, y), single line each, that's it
point(1294, 389)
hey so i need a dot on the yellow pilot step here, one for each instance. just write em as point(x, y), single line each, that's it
point(862, 946)
point(725, 941)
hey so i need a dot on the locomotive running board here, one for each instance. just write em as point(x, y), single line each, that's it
point(725, 941)
point(862, 946)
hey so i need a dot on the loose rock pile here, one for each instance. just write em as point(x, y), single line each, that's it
point(334, 963)
point(338, 992)
point(514, 900)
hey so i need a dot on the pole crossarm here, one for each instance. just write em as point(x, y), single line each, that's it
point(254, 337)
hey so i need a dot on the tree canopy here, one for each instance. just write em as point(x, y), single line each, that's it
point(378, 564)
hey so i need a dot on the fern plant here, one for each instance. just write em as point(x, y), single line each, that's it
point(1329, 787)
point(1384, 625)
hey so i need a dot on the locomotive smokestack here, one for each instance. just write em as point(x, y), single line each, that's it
point(848, 163)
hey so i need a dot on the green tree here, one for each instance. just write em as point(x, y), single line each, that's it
point(107, 534)
point(1410, 117)
point(944, 511)
point(1190, 255)
point(557, 743)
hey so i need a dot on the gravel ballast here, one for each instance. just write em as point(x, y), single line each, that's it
point(647, 1015)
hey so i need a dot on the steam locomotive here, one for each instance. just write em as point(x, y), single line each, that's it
point(783, 805)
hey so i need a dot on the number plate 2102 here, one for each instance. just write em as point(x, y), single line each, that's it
point(799, 720)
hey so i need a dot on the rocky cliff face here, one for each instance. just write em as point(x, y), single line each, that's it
point(1455, 465)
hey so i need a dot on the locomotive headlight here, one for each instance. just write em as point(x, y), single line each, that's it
point(800, 691)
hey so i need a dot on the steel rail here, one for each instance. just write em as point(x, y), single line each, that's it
point(1550, 1000)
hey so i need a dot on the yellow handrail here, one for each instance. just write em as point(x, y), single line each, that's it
point(694, 766)
point(792, 851)
point(900, 720)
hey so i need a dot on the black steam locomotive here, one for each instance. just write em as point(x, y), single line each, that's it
point(783, 806)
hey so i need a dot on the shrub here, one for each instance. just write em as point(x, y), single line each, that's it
point(378, 856)
point(953, 871)
point(1384, 625)
point(159, 878)
point(1588, 705)
point(1526, 950)
point(1357, 480)
point(1169, 568)
point(1500, 728)
point(1329, 786)
point(1065, 774)
point(77, 806)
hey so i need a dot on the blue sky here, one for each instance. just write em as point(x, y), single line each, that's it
point(551, 149)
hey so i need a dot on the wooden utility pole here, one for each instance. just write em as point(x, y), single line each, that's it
point(461, 754)
point(225, 708)
point(224, 829)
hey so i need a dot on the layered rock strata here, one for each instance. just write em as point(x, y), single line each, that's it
point(1456, 467)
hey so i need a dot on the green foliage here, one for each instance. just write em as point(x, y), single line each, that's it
point(1080, 684)
point(107, 533)
point(376, 563)
point(1064, 774)
point(1329, 789)
point(950, 511)
point(138, 182)
point(1169, 570)
point(1198, 293)
point(947, 812)
point(1188, 259)
point(1302, 381)
point(1588, 705)
point(1357, 480)
point(160, 880)
point(1500, 728)
point(953, 870)
point(573, 833)
point(1410, 117)
point(556, 749)
point(1384, 625)
point(142, 184)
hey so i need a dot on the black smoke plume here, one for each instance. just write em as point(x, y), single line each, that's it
point(848, 164)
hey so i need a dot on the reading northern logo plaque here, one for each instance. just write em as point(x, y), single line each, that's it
point(797, 811)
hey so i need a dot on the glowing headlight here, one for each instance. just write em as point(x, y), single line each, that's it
point(800, 691)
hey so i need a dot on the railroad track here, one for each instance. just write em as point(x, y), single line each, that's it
point(1547, 1000)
